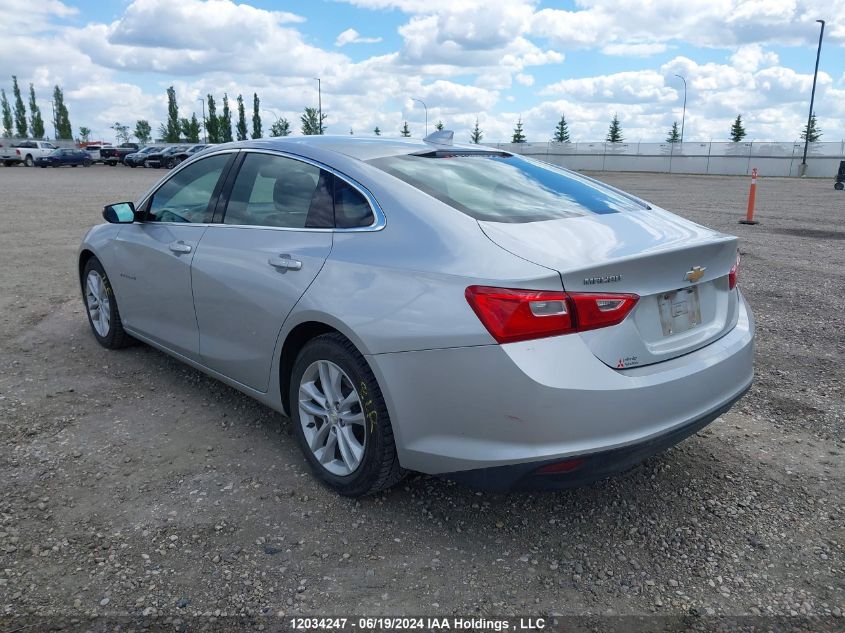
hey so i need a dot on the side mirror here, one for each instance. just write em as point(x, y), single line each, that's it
point(119, 213)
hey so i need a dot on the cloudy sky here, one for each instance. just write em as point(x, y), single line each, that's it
point(496, 60)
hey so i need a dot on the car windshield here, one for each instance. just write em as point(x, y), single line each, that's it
point(499, 187)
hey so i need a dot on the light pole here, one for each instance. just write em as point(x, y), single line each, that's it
point(319, 105)
point(426, 112)
point(204, 122)
point(684, 115)
point(812, 98)
point(271, 112)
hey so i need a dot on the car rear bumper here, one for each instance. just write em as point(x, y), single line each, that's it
point(538, 402)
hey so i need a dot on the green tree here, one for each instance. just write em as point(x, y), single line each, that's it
point(84, 134)
point(190, 128)
point(674, 134)
point(7, 114)
point(143, 131)
point(518, 133)
point(351, 132)
point(476, 135)
point(20, 110)
point(377, 131)
point(226, 121)
point(438, 126)
point(562, 131)
point(121, 132)
point(405, 131)
point(212, 123)
point(614, 132)
point(811, 132)
point(36, 122)
point(737, 130)
point(280, 128)
point(240, 127)
point(256, 116)
point(310, 123)
point(62, 119)
point(172, 129)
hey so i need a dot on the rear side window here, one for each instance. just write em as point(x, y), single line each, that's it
point(504, 188)
point(280, 192)
point(277, 191)
point(351, 209)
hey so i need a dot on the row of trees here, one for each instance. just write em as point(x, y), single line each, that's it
point(219, 127)
point(614, 132)
point(15, 122)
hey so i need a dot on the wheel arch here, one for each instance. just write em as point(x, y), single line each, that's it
point(308, 328)
point(84, 257)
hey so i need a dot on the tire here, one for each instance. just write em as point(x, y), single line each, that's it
point(86, 163)
point(132, 165)
point(110, 334)
point(378, 466)
point(839, 186)
point(171, 163)
point(43, 166)
point(74, 165)
point(29, 161)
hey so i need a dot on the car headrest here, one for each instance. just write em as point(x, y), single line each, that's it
point(293, 191)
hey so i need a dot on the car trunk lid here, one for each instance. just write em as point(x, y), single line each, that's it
point(679, 270)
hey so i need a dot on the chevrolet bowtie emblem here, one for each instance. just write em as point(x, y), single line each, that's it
point(694, 274)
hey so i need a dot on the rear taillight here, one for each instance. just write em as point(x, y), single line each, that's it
point(512, 314)
point(733, 276)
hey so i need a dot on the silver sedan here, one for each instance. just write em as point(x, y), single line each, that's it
point(419, 305)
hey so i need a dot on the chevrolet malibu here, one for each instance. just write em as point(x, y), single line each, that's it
point(424, 306)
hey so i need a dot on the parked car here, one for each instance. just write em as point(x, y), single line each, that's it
point(137, 158)
point(164, 157)
point(115, 155)
point(174, 158)
point(65, 156)
point(94, 152)
point(416, 305)
point(30, 150)
point(9, 156)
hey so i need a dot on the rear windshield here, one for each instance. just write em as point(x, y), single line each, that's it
point(502, 188)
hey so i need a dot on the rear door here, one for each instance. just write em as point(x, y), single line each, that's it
point(153, 280)
point(253, 268)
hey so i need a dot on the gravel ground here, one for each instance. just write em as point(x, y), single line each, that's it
point(135, 486)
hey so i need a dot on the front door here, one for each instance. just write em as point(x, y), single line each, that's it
point(251, 270)
point(154, 257)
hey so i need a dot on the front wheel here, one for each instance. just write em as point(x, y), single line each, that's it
point(839, 186)
point(340, 419)
point(101, 307)
point(86, 163)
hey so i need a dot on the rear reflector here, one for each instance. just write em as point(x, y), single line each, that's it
point(733, 276)
point(560, 467)
point(513, 314)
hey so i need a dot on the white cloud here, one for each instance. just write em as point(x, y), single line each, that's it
point(351, 36)
point(525, 79)
point(634, 50)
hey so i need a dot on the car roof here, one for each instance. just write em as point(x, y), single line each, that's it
point(362, 148)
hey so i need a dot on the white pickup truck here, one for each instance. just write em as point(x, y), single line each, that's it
point(28, 151)
point(8, 155)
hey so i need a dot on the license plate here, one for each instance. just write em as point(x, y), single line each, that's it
point(679, 310)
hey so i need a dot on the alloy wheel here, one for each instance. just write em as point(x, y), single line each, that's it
point(97, 302)
point(332, 418)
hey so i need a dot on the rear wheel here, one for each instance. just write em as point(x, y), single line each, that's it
point(29, 161)
point(839, 186)
point(86, 163)
point(101, 307)
point(340, 419)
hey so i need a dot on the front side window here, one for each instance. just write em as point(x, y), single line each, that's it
point(187, 195)
point(503, 188)
point(280, 192)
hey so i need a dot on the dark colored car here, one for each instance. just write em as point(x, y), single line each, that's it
point(137, 159)
point(114, 155)
point(177, 157)
point(166, 157)
point(65, 156)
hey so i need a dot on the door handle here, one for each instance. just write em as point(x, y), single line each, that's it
point(285, 263)
point(179, 247)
